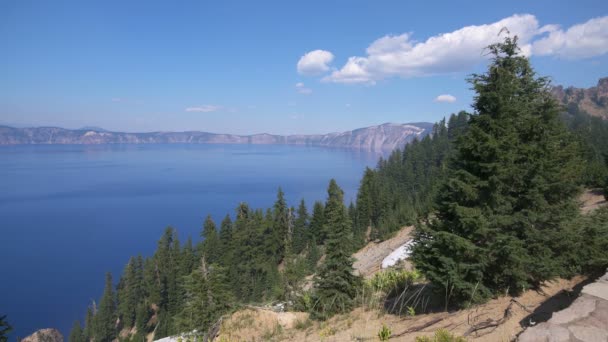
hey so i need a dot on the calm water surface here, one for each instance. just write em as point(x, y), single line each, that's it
point(70, 213)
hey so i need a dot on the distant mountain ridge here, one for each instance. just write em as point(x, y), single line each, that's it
point(593, 101)
point(387, 136)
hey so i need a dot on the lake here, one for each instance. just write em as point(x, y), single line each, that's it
point(70, 213)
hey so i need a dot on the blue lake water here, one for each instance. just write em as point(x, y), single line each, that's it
point(70, 213)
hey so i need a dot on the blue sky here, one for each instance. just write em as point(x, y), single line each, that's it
point(273, 66)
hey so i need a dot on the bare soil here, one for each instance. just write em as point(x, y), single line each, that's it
point(368, 260)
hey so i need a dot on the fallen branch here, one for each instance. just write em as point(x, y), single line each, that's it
point(490, 323)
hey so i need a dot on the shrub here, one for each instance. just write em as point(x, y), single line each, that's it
point(385, 333)
point(392, 279)
point(441, 335)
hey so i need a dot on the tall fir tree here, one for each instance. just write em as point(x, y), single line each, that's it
point(76, 334)
point(317, 222)
point(211, 244)
point(5, 329)
point(300, 231)
point(280, 235)
point(105, 319)
point(226, 243)
point(336, 285)
point(511, 185)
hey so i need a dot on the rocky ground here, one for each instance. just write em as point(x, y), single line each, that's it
point(585, 320)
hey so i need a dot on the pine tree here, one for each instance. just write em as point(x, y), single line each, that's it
point(280, 225)
point(130, 292)
point(300, 232)
point(76, 334)
point(317, 221)
point(5, 329)
point(226, 241)
point(211, 243)
point(336, 285)
point(188, 258)
point(105, 319)
point(87, 332)
point(511, 185)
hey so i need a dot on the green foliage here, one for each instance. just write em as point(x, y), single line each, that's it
point(589, 242)
point(207, 297)
point(402, 188)
point(76, 334)
point(5, 329)
point(511, 184)
point(441, 335)
point(130, 291)
point(592, 133)
point(391, 280)
point(104, 321)
point(211, 247)
point(385, 333)
point(300, 230)
point(336, 285)
point(317, 222)
point(303, 324)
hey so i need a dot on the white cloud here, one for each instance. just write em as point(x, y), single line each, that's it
point(444, 53)
point(460, 50)
point(447, 98)
point(315, 62)
point(302, 89)
point(204, 108)
point(579, 41)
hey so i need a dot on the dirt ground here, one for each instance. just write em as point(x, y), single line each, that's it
point(591, 200)
point(368, 260)
point(360, 325)
point(513, 314)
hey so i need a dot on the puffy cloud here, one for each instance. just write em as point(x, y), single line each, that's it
point(579, 41)
point(204, 108)
point(315, 62)
point(302, 89)
point(447, 98)
point(444, 53)
point(402, 56)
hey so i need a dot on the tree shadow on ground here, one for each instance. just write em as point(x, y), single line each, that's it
point(557, 302)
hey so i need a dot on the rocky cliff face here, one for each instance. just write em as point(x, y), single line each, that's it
point(44, 335)
point(383, 137)
point(593, 101)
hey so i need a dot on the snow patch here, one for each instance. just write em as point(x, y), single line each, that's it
point(401, 253)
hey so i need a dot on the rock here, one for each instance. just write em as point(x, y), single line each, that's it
point(44, 335)
point(585, 320)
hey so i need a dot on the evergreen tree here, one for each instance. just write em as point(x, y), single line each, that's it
point(188, 259)
point(313, 255)
point(226, 241)
point(280, 225)
point(5, 329)
point(105, 319)
point(211, 244)
point(336, 285)
point(129, 293)
point(76, 334)
point(317, 223)
point(88, 324)
point(142, 316)
point(300, 232)
point(511, 185)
